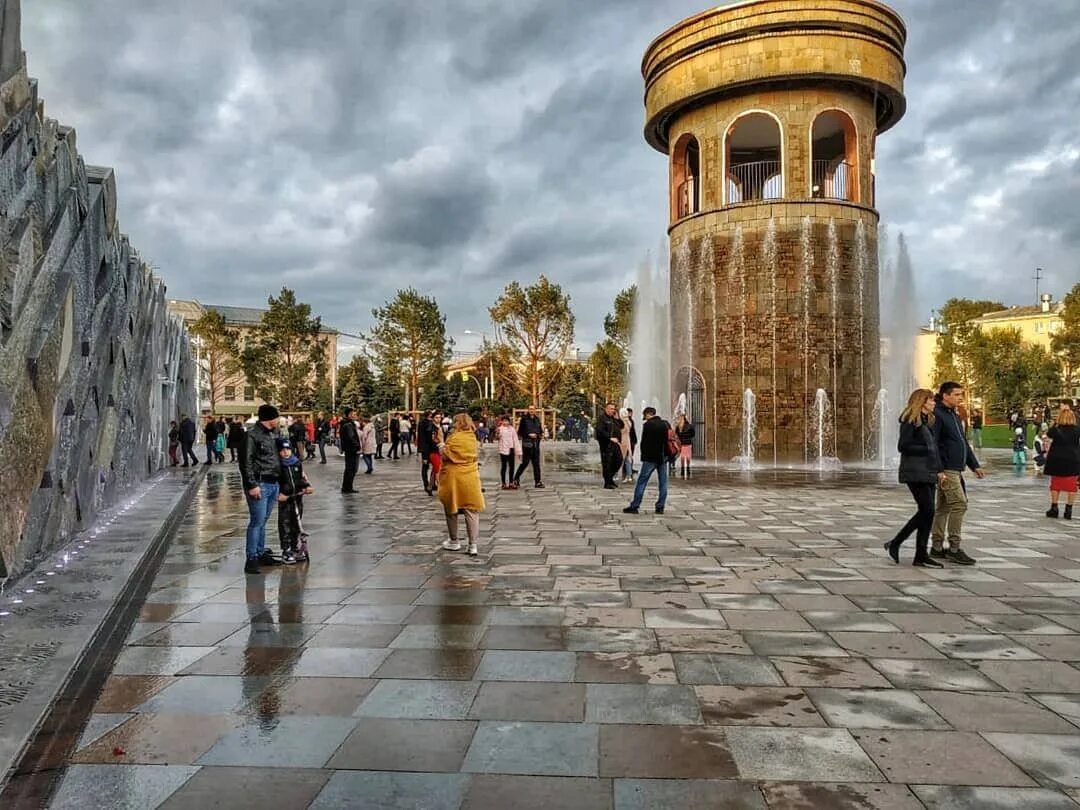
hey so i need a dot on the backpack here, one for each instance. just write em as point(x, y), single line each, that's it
point(672, 447)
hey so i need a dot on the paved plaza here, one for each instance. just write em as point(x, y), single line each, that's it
point(752, 648)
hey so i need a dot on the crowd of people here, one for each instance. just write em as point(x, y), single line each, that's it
point(933, 444)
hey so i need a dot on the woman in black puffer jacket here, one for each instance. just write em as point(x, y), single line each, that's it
point(920, 469)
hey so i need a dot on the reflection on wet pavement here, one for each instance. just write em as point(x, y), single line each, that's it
point(593, 659)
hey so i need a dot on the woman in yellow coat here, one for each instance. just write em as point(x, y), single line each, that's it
point(459, 482)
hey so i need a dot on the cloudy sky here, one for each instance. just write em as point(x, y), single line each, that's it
point(350, 147)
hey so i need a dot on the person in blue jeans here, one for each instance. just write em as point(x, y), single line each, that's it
point(259, 472)
point(653, 447)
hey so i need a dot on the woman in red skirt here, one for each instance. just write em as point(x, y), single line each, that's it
point(1063, 461)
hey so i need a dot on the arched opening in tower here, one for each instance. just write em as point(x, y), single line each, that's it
point(834, 157)
point(685, 177)
point(754, 159)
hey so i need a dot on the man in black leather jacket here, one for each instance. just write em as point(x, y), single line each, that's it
point(259, 471)
point(608, 436)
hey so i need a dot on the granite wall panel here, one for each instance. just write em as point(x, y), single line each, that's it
point(92, 367)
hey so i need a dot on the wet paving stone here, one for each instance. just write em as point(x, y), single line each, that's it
point(641, 704)
point(516, 665)
point(665, 752)
point(941, 797)
point(601, 667)
point(874, 708)
point(815, 645)
point(382, 744)
point(445, 664)
point(979, 646)
point(432, 791)
point(805, 754)
point(257, 661)
point(729, 670)
point(339, 662)
point(1033, 676)
point(122, 693)
point(296, 742)
point(439, 636)
point(205, 694)
point(248, 788)
point(840, 797)
point(371, 636)
point(757, 706)
point(906, 673)
point(119, 787)
point(686, 794)
point(432, 700)
point(335, 697)
point(537, 793)
point(541, 702)
point(550, 749)
point(1051, 758)
point(940, 758)
point(159, 739)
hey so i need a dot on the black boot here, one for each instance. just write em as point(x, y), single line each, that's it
point(1052, 512)
point(894, 550)
point(1068, 511)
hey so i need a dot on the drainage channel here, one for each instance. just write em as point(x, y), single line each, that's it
point(43, 762)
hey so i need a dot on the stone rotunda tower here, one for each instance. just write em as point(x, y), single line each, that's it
point(769, 111)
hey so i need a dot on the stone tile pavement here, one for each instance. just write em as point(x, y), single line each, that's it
point(753, 648)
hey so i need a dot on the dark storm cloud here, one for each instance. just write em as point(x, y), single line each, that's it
point(349, 147)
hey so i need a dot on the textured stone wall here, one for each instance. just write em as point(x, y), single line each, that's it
point(754, 290)
point(92, 367)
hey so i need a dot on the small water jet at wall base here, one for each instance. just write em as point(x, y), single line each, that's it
point(748, 431)
point(879, 437)
point(821, 433)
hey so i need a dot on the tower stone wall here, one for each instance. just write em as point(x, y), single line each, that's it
point(774, 280)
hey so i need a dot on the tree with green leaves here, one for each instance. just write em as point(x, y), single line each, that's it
point(607, 367)
point(1013, 375)
point(285, 358)
point(538, 324)
point(1066, 341)
point(219, 353)
point(958, 345)
point(356, 384)
point(408, 341)
point(618, 324)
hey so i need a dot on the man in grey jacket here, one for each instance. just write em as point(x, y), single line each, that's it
point(259, 470)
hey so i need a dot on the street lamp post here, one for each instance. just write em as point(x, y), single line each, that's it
point(489, 383)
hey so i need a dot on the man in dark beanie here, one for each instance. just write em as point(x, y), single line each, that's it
point(259, 470)
point(350, 446)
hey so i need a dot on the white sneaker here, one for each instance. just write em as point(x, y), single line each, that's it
point(451, 545)
point(472, 550)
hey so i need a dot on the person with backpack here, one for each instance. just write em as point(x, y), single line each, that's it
point(655, 450)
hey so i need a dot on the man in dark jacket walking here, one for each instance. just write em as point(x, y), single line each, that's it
point(188, 431)
point(956, 455)
point(654, 433)
point(530, 431)
point(609, 436)
point(395, 436)
point(210, 434)
point(260, 471)
point(323, 431)
point(350, 446)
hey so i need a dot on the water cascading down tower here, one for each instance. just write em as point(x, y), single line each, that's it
point(769, 111)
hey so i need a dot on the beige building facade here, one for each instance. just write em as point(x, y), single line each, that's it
point(235, 395)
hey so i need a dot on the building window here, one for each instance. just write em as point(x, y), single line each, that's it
point(249, 393)
point(754, 159)
point(685, 177)
point(230, 393)
point(834, 167)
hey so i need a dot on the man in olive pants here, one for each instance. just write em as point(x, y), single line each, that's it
point(956, 455)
